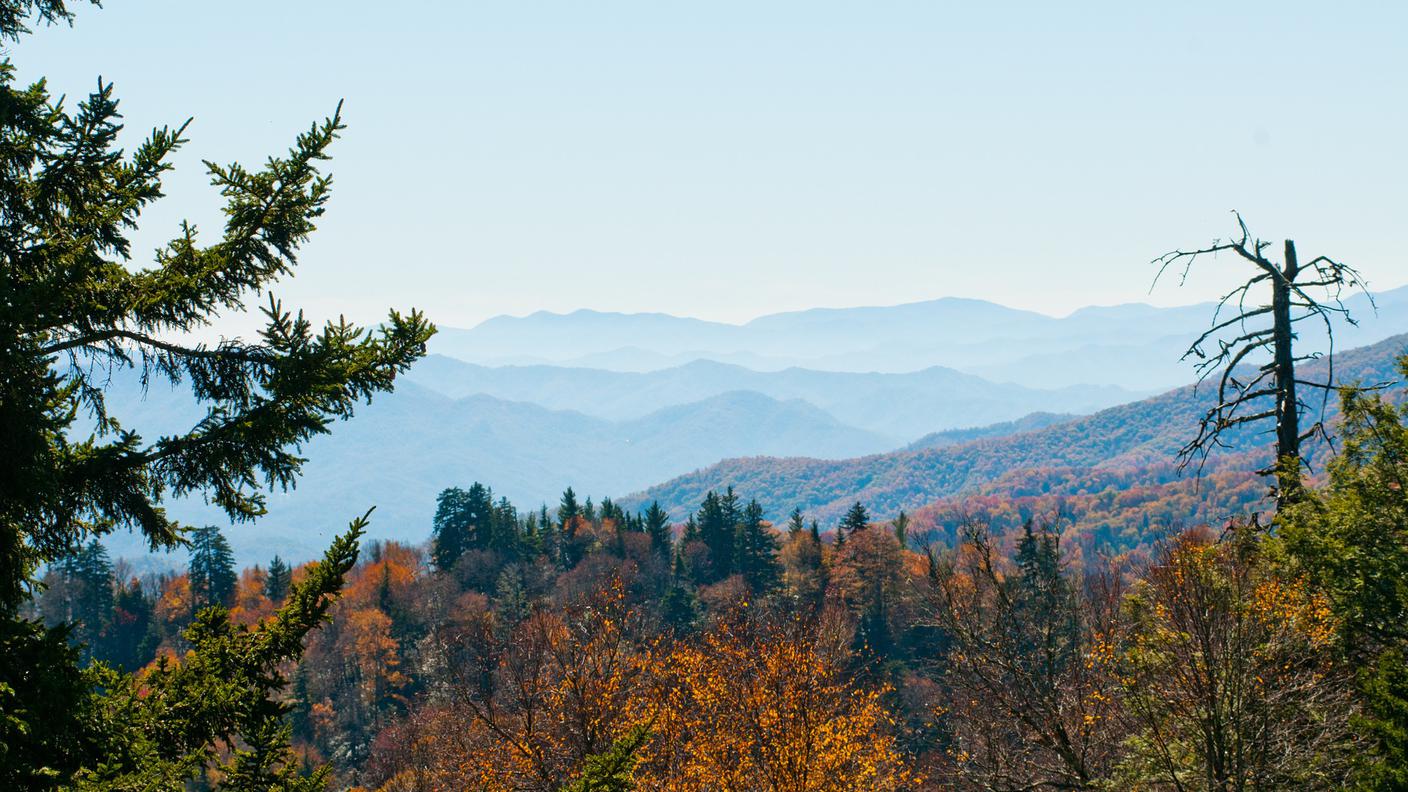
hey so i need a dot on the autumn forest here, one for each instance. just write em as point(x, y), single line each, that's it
point(929, 546)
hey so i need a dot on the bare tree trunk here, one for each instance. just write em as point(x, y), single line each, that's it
point(1287, 406)
point(1241, 391)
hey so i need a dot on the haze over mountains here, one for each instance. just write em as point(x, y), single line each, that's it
point(788, 435)
point(900, 407)
point(1133, 346)
point(1143, 436)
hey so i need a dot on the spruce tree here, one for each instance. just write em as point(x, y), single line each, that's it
point(796, 523)
point(567, 509)
point(276, 583)
point(133, 639)
point(657, 527)
point(901, 524)
point(569, 515)
point(756, 548)
point(88, 586)
point(856, 519)
point(211, 568)
point(449, 535)
point(718, 523)
point(76, 311)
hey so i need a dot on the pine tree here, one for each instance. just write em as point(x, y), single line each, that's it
point(718, 523)
point(657, 527)
point(856, 519)
point(1044, 607)
point(756, 548)
point(504, 536)
point(133, 639)
point(569, 516)
point(77, 309)
point(211, 568)
point(796, 523)
point(449, 536)
point(901, 524)
point(568, 509)
point(91, 573)
point(276, 583)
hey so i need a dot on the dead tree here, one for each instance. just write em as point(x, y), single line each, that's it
point(1252, 353)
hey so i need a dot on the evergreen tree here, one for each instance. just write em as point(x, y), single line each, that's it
point(569, 516)
point(549, 537)
point(901, 524)
point(756, 548)
point(450, 532)
point(211, 569)
point(568, 509)
point(76, 311)
point(504, 536)
point(479, 516)
point(657, 527)
point(1350, 540)
point(856, 519)
point(276, 583)
point(90, 582)
point(1045, 611)
point(589, 512)
point(718, 523)
point(816, 532)
point(133, 639)
point(795, 523)
point(511, 601)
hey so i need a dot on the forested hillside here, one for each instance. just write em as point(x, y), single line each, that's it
point(401, 450)
point(1027, 423)
point(547, 649)
point(1148, 432)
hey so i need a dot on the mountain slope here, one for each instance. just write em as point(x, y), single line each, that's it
point(1027, 423)
point(400, 451)
point(1144, 433)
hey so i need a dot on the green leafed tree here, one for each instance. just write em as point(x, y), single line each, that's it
point(1350, 538)
point(78, 308)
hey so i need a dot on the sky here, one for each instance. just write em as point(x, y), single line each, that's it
point(730, 159)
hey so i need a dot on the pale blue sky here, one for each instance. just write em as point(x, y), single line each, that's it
point(727, 159)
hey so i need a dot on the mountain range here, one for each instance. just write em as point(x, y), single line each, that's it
point(1145, 435)
point(900, 407)
point(790, 436)
point(1133, 346)
point(405, 447)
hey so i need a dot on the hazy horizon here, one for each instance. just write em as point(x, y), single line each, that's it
point(737, 160)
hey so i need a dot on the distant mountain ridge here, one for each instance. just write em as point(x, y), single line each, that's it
point(1146, 433)
point(1134, 346)
point(400, 451)
point(1027, 423)
point(900, 407)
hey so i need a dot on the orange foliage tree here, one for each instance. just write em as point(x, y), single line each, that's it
point(760, 706)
